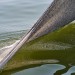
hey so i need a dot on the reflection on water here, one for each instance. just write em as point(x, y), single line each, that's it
point(70, 71)
point(47, 69)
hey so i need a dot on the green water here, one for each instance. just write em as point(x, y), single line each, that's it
point(51, 54)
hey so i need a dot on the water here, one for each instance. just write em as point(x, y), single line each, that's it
point(17, 17)
point(48, 69)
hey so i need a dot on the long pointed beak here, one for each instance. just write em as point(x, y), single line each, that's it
point(60, 13)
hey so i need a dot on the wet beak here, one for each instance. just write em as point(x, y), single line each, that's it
point(59, 13)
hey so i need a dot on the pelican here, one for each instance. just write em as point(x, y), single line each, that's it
point(57, 15)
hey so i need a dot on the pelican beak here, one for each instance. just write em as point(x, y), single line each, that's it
point(58, 14)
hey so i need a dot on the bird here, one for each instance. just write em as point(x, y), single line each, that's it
point(57, 15)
